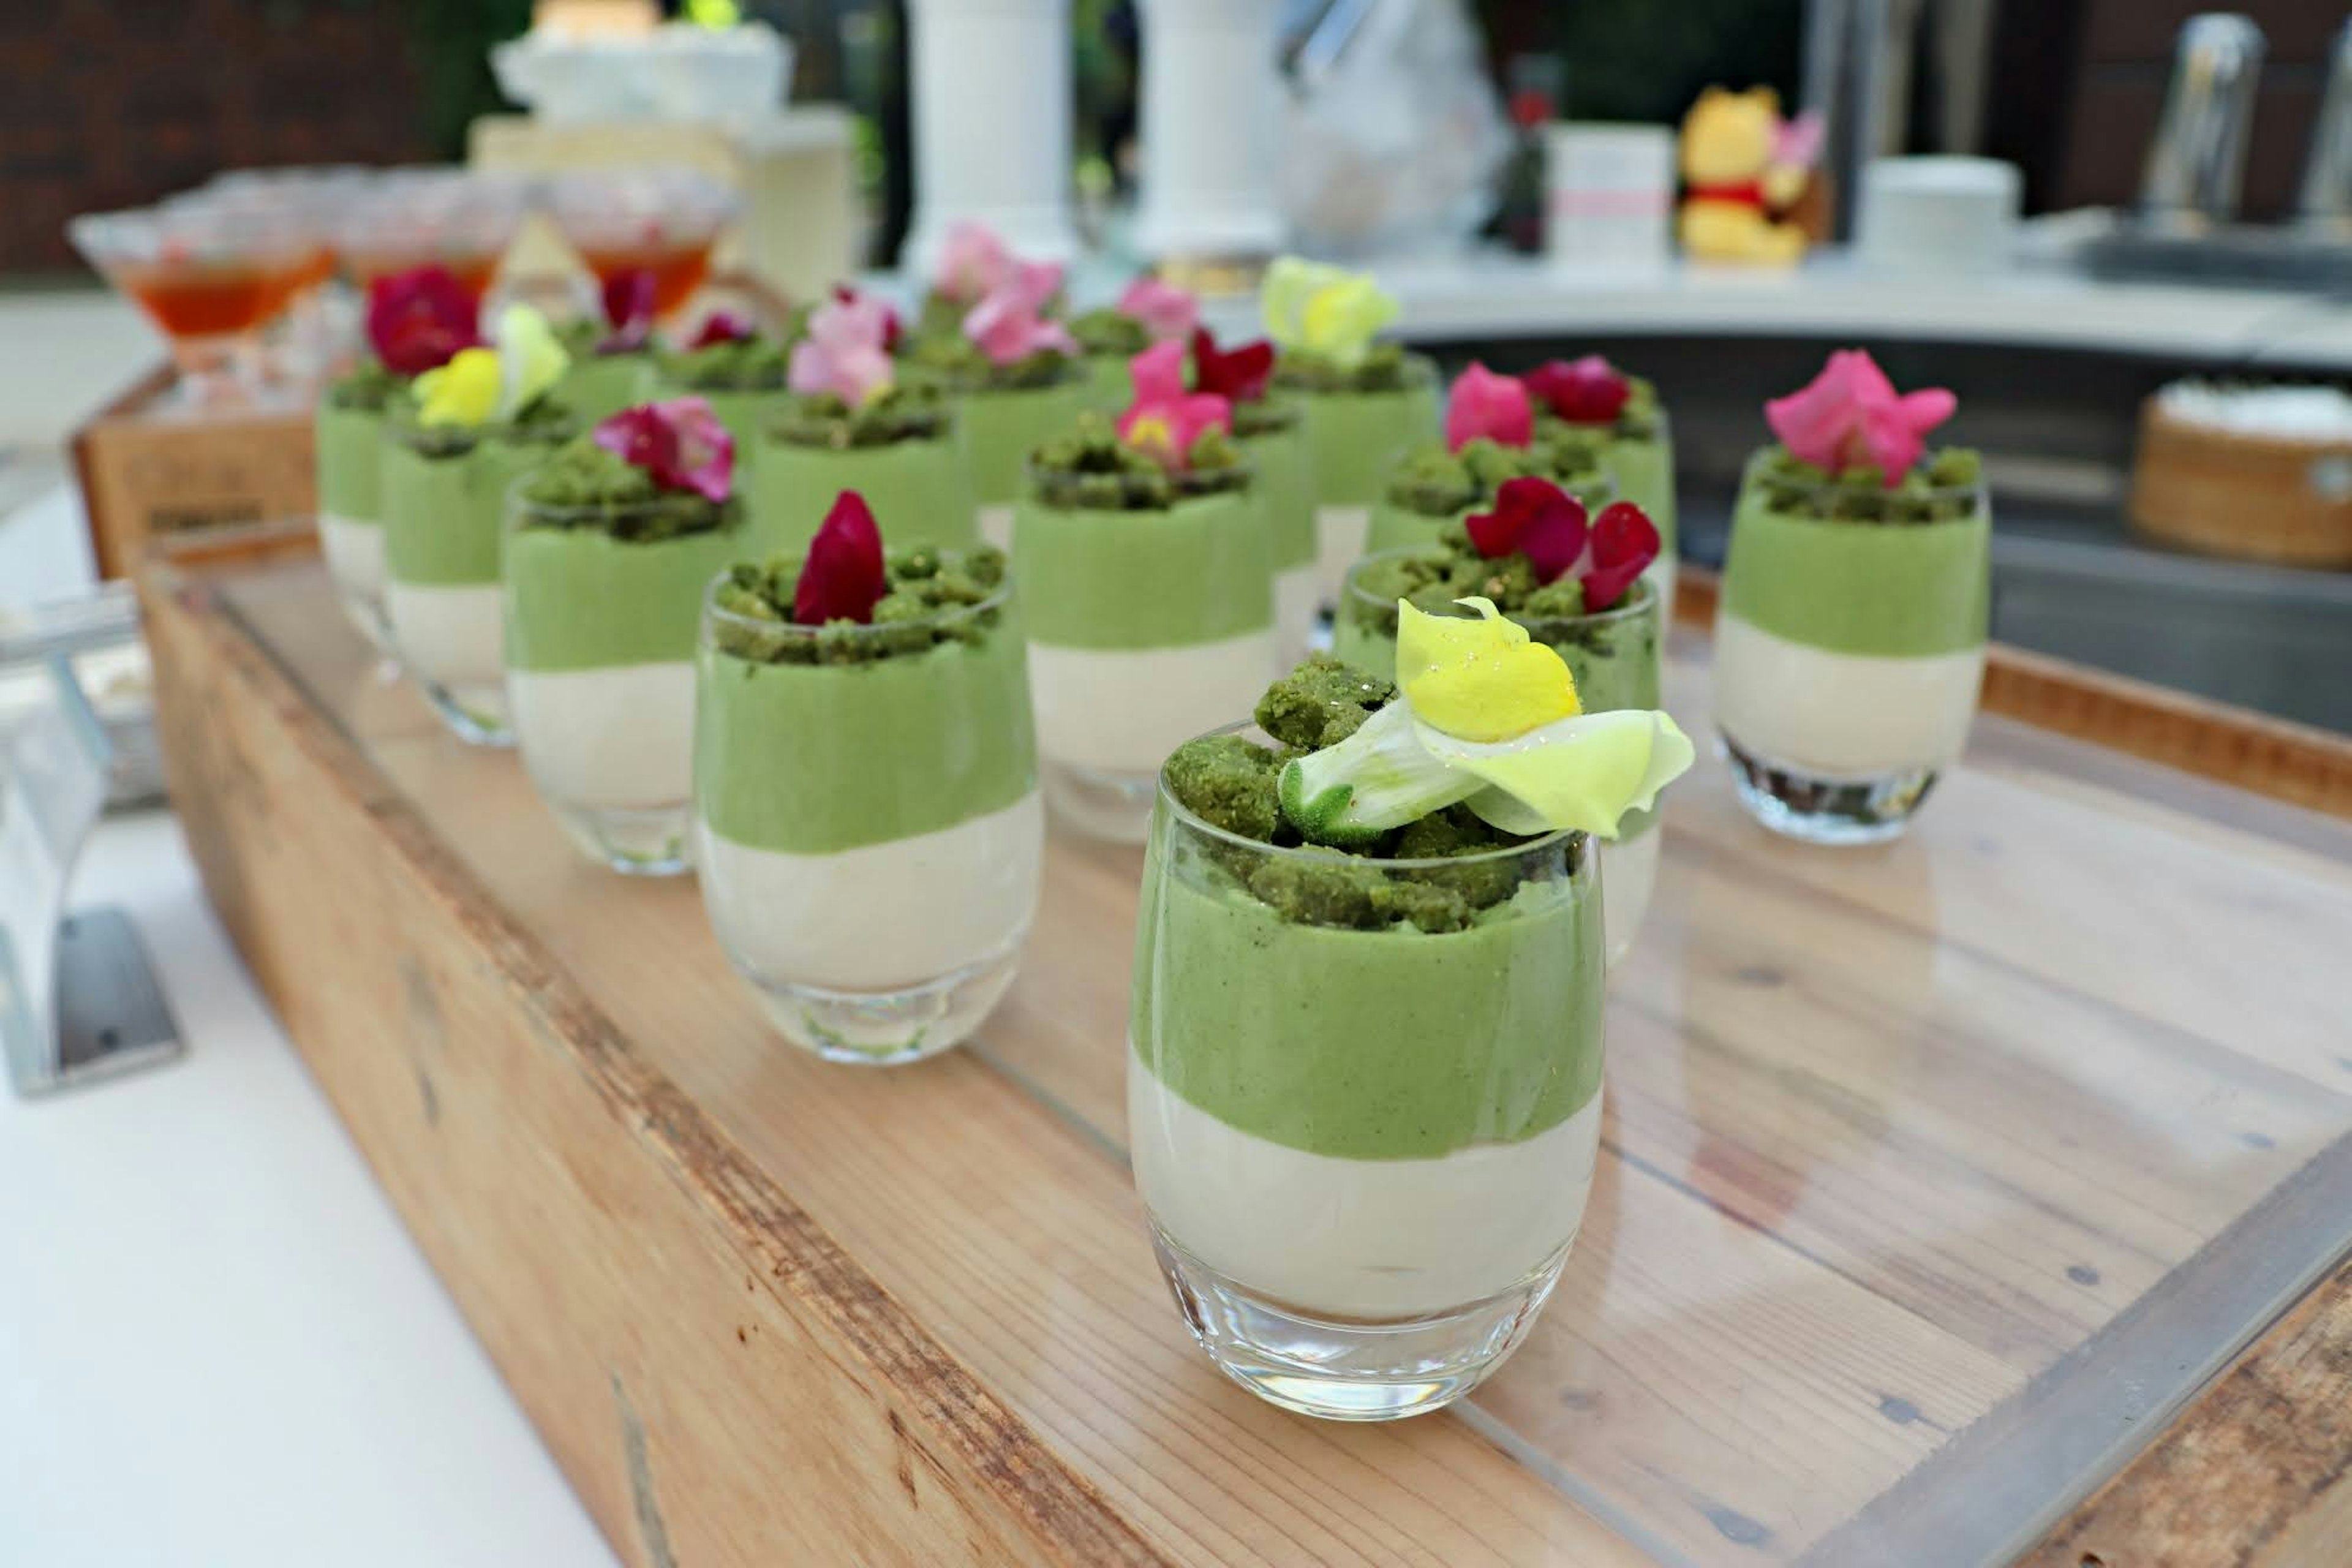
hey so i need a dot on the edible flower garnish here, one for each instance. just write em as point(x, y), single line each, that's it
point(843, 578)
point(1165, 420)
point(1168, 313)
point(1010, 324)
point(973, 263)
point(1483, 403)
point(1537, 519)
point(846, 352)
point(1325, 311)
point(680, 443)
point(418, 319)
point(628, 310)
point(1851, 416)
point(891, 325)
point(1587, 391)
point(481, 385)
point(723, 327)
point(1238, 376)
point(1488, 718)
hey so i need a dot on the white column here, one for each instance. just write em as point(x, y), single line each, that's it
point(1212, 107)
point(991, 105)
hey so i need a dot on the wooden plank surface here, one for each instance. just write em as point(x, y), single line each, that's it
point(1903, 1145)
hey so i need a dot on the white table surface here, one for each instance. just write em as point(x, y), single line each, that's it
point(217, 1344)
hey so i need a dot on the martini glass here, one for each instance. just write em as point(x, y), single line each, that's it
point(455, 219)
point(663, 222)
point(210, 276)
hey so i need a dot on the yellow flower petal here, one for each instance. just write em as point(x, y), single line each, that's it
point(1479, 680)
point(1343, 317)
point(1585, 772)
point(531, 359)
point(463, 392)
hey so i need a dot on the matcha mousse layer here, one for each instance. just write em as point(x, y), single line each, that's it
point(999, 425)
point(1358, 425)
point(1442, 992)
point(443, 493)
point(350, 442)
point(1115, 552)
point(1848, 565)
point(898, 451)
point(742, 381)
point(597, 386)
point(604, 568)
point(1273, 438)
point(1110, 337)
point(815, 740)
point(1429, 487)
point(1612, 655)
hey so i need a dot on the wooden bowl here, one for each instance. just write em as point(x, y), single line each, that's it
point(2256, 498)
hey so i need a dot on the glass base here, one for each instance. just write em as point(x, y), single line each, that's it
point(636, 841)
point(474, 714)
point(1868, 810)
point(884, 1028)
point(1100, 803)
point(1349, 1370)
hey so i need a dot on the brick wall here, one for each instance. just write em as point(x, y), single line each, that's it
point(110, 105)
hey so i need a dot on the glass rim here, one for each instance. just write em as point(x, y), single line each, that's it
point(1288, 417)
point(1033, 472)
point(514, 506)
point(1320, 854)
point(1977, 491)
point(714, 615)
point(1595, 487)
point(1642, 595)
point(1420, 371)
point(938, 419)
point(957, 383)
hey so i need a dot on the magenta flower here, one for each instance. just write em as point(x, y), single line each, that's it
point(973, 263)
point(1166, 311)
point(1165, 420)
point(1493, 407)
point(628, 310)
point(723, 327)
point(418, 319)
point(1010, 324)
point(846, 352)
point(680, 443)
point(1851, 416)
point(1537, 519)
point(843, 578)
point(1588, 391)
point(891, 325)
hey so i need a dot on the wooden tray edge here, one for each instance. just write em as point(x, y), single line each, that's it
point(2297, 763)
point(935, 1434)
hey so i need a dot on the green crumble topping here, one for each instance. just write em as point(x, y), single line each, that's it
point(1386, 368)
point(1105, 330)
point(757, 363)
point(957, 362)
point(1435, 482)
point(909, 410)
point(1940, 490)
point(1265, 416)
point(933, 596)
point(1234, 784)
point(583, 486)
point(1433, 580)
point(1091, 469)
point(542, 422)
point(1639, 420)
point(370, 388)
point(580, 335)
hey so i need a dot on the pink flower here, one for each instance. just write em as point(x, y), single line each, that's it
point(972, 263)
point(1493, 407)
point(1852, 417)
point(846, 352)
point(1166, 311)
point(891, 325)
point(1588, 391)
point(418, 319)
point(1165, 419)
point(1537, 519)
point(1009, 325)
point(680, 443)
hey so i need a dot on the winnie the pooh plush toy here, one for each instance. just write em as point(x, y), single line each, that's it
point(1743, 168)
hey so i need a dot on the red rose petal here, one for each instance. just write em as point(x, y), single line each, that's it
point(418, 319)
point(629, 301)
point(1238, 376)
point(843, 578)
point(721, 327)
point(1497, 534)
point(1588, 391)
point(1555, 536)
point(1625, 542)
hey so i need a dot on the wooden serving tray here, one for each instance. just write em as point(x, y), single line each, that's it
point(1937, 1179)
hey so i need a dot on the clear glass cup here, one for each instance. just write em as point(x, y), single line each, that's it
point(210, 277)
point(1848, 651)
point(1364, 1149)
point(602, 624)
point(661, 221)
point(867, 830)
point(1146, 627)
point(460, 220)
point(1616, 656)
point(1394, 526)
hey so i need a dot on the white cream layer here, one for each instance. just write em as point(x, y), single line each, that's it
point(354, 553)
point(1372, 1238)
point(1339, 534)
point(1124, 710)
point(1297, 596)
point(1628, 872)
point(452, 637)
point(1841, 715)
point(995, 523)
point(620, 738)
point(882, 916)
